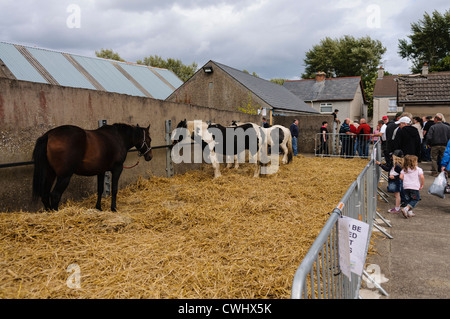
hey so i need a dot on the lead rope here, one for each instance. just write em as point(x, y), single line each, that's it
point(143, 142)
point(127, 167)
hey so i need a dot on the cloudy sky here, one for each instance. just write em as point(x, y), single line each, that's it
point(268, 37)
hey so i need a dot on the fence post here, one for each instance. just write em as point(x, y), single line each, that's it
point(335, 144)
point(107, 183)
point(169, 163)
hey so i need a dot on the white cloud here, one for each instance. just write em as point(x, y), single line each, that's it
point(269, 37)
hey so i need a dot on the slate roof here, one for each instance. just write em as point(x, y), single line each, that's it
point(331, 89)
point(386, 87)
point(273, 94)
point(64, 69)
point(430, 88)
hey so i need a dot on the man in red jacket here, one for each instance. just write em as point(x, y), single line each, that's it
point(363, 133)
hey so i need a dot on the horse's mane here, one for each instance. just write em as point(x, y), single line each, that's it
point(129, 130)
point(120, 126)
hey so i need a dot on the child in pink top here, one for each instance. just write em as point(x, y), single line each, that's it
point(413, 180)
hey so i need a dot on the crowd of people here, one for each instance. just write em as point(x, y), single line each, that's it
point(406, 141)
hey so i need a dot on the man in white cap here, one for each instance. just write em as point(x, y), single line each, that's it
point(406, 137)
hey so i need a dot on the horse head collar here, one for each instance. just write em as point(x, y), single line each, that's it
point(146, 149)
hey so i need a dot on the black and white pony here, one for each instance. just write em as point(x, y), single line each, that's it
point(284, 141)
point(216, 139)
point(276, 135)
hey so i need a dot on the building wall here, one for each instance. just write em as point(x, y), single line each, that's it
point(381, 108)
point(309, 126)
point(216, 90)
point(357, 108)
point(425, 110)
point(27, 110)
point(343, 107)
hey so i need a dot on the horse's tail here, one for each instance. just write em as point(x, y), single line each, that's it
point(40, 166)
point(289, 146)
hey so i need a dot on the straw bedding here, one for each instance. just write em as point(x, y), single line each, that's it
point(185, 237)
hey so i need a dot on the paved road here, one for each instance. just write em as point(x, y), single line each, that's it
point(416, 262)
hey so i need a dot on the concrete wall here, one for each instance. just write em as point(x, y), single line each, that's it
point(27, 110)
point(309, 126)
point(217, 90)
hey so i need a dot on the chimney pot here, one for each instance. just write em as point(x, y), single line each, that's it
point(380, 72)
point(320, 76)
point(425, 69)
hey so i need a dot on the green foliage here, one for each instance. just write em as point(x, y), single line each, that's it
point(184, 72)
point(253, 73)
point(278, 81)
point(428, 43)
point(249, 107)
point(346, 56)
point(108, 54)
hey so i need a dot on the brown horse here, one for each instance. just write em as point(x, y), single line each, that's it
point(67, 150)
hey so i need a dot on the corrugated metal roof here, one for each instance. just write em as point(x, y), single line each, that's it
point(157, 88)
point(60, 68)
point(108, 76)
point(46, 66)
point(18, 64)
point(170, 77)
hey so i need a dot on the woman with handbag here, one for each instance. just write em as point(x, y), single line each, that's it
point(394, 182)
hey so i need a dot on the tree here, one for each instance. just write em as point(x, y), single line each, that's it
point(278, 81)
point(108, 54)
point(346, 56)
point(184, 72)
point(429, 43)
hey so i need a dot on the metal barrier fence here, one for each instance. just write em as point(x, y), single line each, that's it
point(319, 275)
point(343, 145)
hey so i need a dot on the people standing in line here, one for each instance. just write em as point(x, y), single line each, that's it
point(294, 132)
point(395, 183)
point(384, 151)
point(426, 149)
point(346, 139)
point(335, 118)
point(354, 140)
point(377, 132)
point(264, 123)
point(390, 128)
point(413, 181)
point(363, 136)
point(323, 146)
point(418, 124)
point(437, 137)
point(406, 137)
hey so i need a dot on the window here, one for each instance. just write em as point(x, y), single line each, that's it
point(326, 108)
point(392, 105)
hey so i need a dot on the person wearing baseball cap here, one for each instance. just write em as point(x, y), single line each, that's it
point(406, 137)
point(403, 120)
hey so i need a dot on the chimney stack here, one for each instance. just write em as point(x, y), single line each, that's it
point(320, 76)
point(380, 72)
point(425, 69)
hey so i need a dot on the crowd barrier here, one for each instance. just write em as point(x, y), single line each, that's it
point(319, 275)
point(343, 145)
